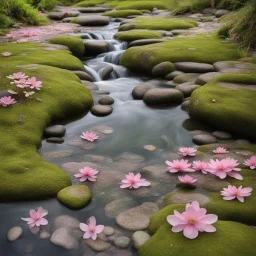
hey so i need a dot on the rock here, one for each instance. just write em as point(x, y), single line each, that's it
point(55, 140)
point(92, 9)
point(221, 13)
point(67, 20)
point(14, 233)
point(56, 15)
point(35, 230)
point(55, 131)
point(149, 147)
point(72, 14)
point(115, 252)
point(73, 167)
point(163, 69)
point(185, 197)
point(203, 139)
point(139, 238)
point(145, 42)
point(222, 135)
point(92, 20)
point(243, 142)
point(185, 77)
point(171, 75)
point(44, 235)
point(210, 11)
point(108, 231)
point(4, 92)
point(122, 242)
point(137, 218)
point(194, 67)
point(98, 245)
point(58, 154)
point(100, 110)
point(90, 85)
point(105, 73)
point(139, 91)
point(103, 129)
point(82, 75)
point(187, 88)
point(75, 197)
point(106, 100)
point(97, 47)
point(207, 77)
point(66, 221)
point(162, 96)
point(102, 92)
point(185, 105)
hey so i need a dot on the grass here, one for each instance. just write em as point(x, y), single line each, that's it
point(231, 4)
point(46, 5)
point(122, 13)
point(136, 35)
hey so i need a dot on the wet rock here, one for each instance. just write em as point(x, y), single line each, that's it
point(185, 78)
point(98, 245)
point(149, 147)
point(14, 233)
point(55, 131)
point(78, 141)
point(92, 9)
point(67, 20)
point(185, 105)
point(163, 69)
point(108, 177)
point(137, 218)
point(29, 248)
point(97, 47)
point(4, 92)
point(221, 13)
point(173, 74)
point(35, 230)
point(100, 110)
point(72, 14)
point(187, 88)
point(106, 100)
point(90, 85)
point(243, 142)
point(92, 20)
point(207, 77)
point(66, 221)
point(139, 238)
point(56, 15)
point(115, 253)
point(44, 235)
point(122, 242)
point(139, 91)
point(203, 139)
point(194, 67)
point(222, 135)
point(102, 129)
point(105, 73)
point(55, 140)
point(108, 231)
point(73, 167)
point(83, 75)
point(145, 42)
point(58, 154)
point(183, 198)
point(210, 11)
point(101, 92)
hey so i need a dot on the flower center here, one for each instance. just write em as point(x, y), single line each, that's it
point(36, 218)
point(92, 229)
point(191, 221)
point(133, 181)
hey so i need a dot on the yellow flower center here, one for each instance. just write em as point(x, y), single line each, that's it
point(191, 221)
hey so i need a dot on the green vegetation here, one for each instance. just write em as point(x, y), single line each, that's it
point(137, 34)
point(122, 13)
point(46, 5)
point(231, 4)
point(142, 5)
point(89, 3)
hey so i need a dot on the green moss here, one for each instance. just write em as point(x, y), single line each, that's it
point(75, 44)
point(142, 5)
point(122, 13)
point(159, 24)
point(251, 148)
point(207, 19)
point(231, 4)
point(163, 69)
point(75, 197)
point(89, 3)
point(137, 34)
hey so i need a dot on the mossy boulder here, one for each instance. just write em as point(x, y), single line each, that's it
point(75, 44)
point(163, 69)
point(122, 13)
point(87, 3)
point(75, 196)
point(137, 34)
point(142, 5)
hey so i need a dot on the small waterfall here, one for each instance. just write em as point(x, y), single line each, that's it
point(113, 57)
point(94, 74)
point(96, 36)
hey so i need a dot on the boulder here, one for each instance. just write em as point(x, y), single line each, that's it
point(173, 74)
point(56, 15)
point(97, 47)
point(139, 238)
point(106, 100)
point(194, 67)
point(141, 42)
point(207, 77)
point(122, 242)
point(92, 20)
point(203, 139)
point(139, 91)
point(14, 233)
point(55, 131)
point(221, 13)
point(55, 140)
point(105, 72)
point(100, 110)
point(221, 135)
point(187, 88)
point(90, 85)
point(82, 75)
point(163, 69)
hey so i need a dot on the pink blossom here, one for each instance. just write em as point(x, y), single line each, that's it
point(9, 35)
point(28, 94)
point(192, 221)
point(232, 192)
point(187, 151)
point(7, 100)
point(89, 136)
point(6, 54)
point(134, 181)
point(65, 12)
point(17, 76)
point(36, 218)
point(200, 166)
point(22, 83)
point(34, 84)
point(12, 92)
point(87, 173)
point(91, 230)
point(220, 150)
point(179, 166)
point(251, 162)
point(187, 179)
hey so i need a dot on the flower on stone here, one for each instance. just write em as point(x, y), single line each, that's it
point(6, 54)
point(220, 150)
point(7, 100)
point(251, 162)
point(187, 179)
point(232, 192)
point(200, 166)
point(192, 221)
point(91, 229)
point(22, 83)
point(134, 181)
point(187, 151)
point(89, 136)
point(36, 218)
point(179, 166)
point(28, 94)
point(65, 12)
point(17, 76)
point(34, 84)
point(87, 173)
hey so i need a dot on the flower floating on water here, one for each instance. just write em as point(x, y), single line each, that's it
point(192, 221)
point(232, 192)
point(6, 101)
point(6, 54)
point(134, 181)
point(89, 136)
point(87, 173)
point(220, 150)
point(225, 167)
point(91, 230)
point(36, 218)
point(187, 179)
point(17, 76)
point(251, 162)
point(34, 84)
point(187, 151)
point(179, 166)
point(200, 166)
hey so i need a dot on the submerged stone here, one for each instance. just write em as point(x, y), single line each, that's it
point(122, 242)
point(14, 233)
point(100, 110)
point(139, 238)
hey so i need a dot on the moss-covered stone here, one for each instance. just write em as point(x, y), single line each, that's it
point(122, 13)
point(75, 197)
point(136, 35)
point(89, 3)
point(162, 69)
point(142, 5)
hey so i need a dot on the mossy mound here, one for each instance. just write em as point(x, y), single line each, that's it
point(75, 44)
point(208, 49)
point(230, 239)
point(122, 13)
point(75, 197)
point(136, 35)
point(233, 109)
point(159, 24)
point(142, 5)
point(89, 3)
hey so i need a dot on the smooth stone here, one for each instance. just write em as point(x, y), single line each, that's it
point(56, 15)
point(122, 242)
point(93, 9)
point(66, 221)
point(4, 92)
point(14, 233)
point(115, 252)
point(67, 20)
point(92, 20)
point(82, 75)
point(73, 167)
point(139, 238)
point(207, 77)
point(221, 135)
point(210, 11)
point(55, 131)
point(35, 230)
point(72, 14)
point(187, 88)
point(194, 67)
point(185, 105)
point(90, 85)
point(139, 91)
point(29, 248)
point(105, 73)
point(97, 47)
point(149, 147)
point(58, 154)
point(102, 92)
point(185, 77)
point(100, 110)
point(106, 100)
point(203, 139)
point(221, 13)
point(141, 42)
point(98, 245)
point(55, 140)
point(243, 142)
point(44, 235)
point(173, 74)
point(137, 218)
point(102, 129)
point(162, 69)
point(183, 198)
point(108, 231)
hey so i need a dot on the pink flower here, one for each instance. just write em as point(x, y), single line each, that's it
point(65, 12)
point(251, 162)
point(225, 167)
point(6, 54)
point(192, 221)
point(220, 150)
point(187, 151)
point(9, 35)
point(36, 218)
point(200, 166)
point(7, 100)
point(22, 83)
point(89, 136)
point(34, 84)
point(232, 192)
point(28, 94)
point(187, 179)
point(134, 181)
point(179, 166)
point(12, 92)
point(17, 76)
point(87, 173)
point(91, 230)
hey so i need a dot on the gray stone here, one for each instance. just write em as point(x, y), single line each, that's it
point(105, 73)
point(185, 105)
point(44, 235)
point(162, 69)
point(106, 100)
point(103, 129)
point(187, 88)
point(183, 198)
point(243, 142)
point(221, 13)
point(203, 139)
point(102, 92)
point(194, 67)
point(90, 85)
point(145, 42)
point(14, 233)
point(97, 47)
point(222, 135)
point(58, 154)
point(207, 77)
point(100, 110)
point(67, 20)
point(56, 15)
point(72, 14)
point(185, 78)
point(4, 92)
point(139, 238)
point(139, 91)
point(66, 221)
point(83, 75)
point(55, 131)
point(171, 75)
point(92, 20)
point(122, 242)
point(98, 245)
point(55, 140)
point(108, 231)
point(210, 11)
point(92, 9)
